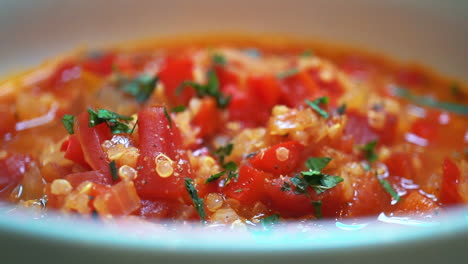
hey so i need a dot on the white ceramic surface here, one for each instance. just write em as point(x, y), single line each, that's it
point(432, 32)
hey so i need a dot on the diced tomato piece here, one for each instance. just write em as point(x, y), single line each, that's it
point(416, 203)
point(425, 128)
point(7, 120)
point(95, 176)
point(411, 77)
point(449, 194)
point(358, 127)
point(91, 139)
point(208, 117)
point(296, 88)
point(357, 66)
point(265, 88)
point(279, 159)
point(158, 137)
point(173, 72)
point(288, 203)
point(12, 169)
point(73, 151)
point(100, 65)
point(64, 72)
point(226, 78)
point(370, 197)
point(121, 199)
point(166, 209)
point(249, 186)
point(399, 164)
point(246, 109)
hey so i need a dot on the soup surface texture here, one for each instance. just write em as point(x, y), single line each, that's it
point(233, 130)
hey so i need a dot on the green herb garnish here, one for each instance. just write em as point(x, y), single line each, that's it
point(219, 59)
point(231, 166)
point(169, 119)
point(268, 221)
point(238, 190)
point(197, 201)
point(214, 177)
point(315, 105)
point(317, 208)
point(113, 170)
point(307, 53)
point(286, 187)
point(341, 110)
point(223, 151)
point(287, 73)
point(140, 87)
point(369, 151)
point(211, 88)
point(430, 102)
point(231, 175)
point(68, 122)
point(178, 109)
point(388, 187)
point(112, 120)
point(314, 178)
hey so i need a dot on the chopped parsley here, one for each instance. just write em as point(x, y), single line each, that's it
point(286, 187)
point(168, 116)
point(112, 120)
point(287, 73)
point(369, 151)
point(197, 201)
point(231, 175)
point(211, 88)
point(113, 170)
point(223, 152)
point(315, 105)
point(314, 178)
point(68, 122)
point(430, 102)
point(318, 209)
point(268, 221)
point(238, 190)
point(388, 187)
point(178, 109)
point(341, 110)
point(140, 87)
point(231, 166)
point(214, 177)
point(219, 59)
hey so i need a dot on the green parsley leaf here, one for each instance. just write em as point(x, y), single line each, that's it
point(300, 183)
point(113, 170)
point(209, 89)
point(178, 109)
point(366, 166)
point(320, 182)
point(287, 73)
point(214, 177)
point(307, 53)
point(68, 122)
point(223, 152)
point(341, 110)
point(197, 201)
point(286, 187)
point(231, 166)
point(219, 59)
point(315, 105)
point(369, 151)
point(388, 187)
point(169, 119)
point(141, 87)
point(232, 175)
point(318, 163)
point(317, 208)
point(111, 119)
point(238, 190)
point(268, 221)
point(461, 109)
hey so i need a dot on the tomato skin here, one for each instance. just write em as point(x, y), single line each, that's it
point(268, 161)
point(12, 169)
point(415, 202)
point(157, 136)
point(265, 88)
point(73, 151)
point(449, 194)
point(425, 128)
point(91, 139)
point(173, 72)
point(296, 88)
point(399, 164)
point(208, 117)
point(166, 209)
point(251, 181)
point(245, 108)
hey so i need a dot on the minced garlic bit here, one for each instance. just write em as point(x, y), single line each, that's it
point(282, 153)
point(127, 173)
point(60, 187)
point(164, 165)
